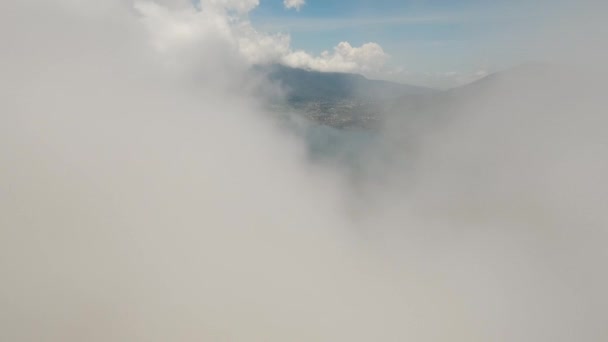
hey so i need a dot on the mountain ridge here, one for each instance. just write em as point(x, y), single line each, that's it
point(307, 85)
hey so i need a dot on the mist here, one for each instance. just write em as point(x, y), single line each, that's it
point(147, 193)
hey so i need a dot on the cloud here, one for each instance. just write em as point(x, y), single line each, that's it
point(180, 32)
point(297, 4)
point(138, 205)
point(369, 57)
point(241, 6)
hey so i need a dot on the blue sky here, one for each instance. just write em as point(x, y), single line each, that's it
point(427, 36)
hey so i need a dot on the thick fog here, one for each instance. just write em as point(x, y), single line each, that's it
point(146, 194)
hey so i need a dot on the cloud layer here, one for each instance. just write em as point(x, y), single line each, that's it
point(147, 196)
point(295, 4)
point(182, 30)
point(367, 58)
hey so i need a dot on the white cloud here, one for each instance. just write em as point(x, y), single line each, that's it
point(139, 207)
point(180, 33)
point(241, 6)
point(367, 58)
point(296, 4)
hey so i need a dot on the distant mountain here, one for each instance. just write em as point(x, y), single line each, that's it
point(306, 85)
point(343, 100)
point(339, 100)
point(357, 121)
point(503, 91)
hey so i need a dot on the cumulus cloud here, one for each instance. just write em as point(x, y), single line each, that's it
point(183, 34)
point(369, 57)
point(180, 31)
point(297, 4)
point(238, 6)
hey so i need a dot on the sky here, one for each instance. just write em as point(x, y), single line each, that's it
point(435, 42)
